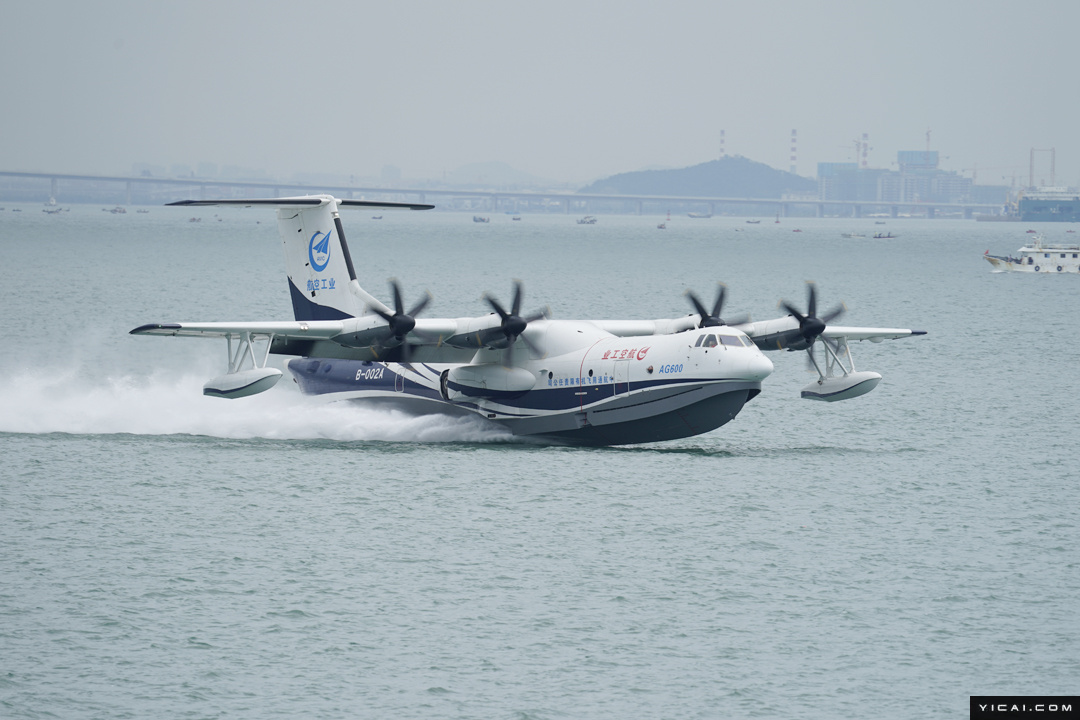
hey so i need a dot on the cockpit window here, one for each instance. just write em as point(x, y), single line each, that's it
point(731, 340)
point(710, 341)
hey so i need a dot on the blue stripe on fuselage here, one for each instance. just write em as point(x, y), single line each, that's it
point(320, 376)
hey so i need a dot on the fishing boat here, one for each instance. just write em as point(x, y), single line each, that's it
point(1039, 257)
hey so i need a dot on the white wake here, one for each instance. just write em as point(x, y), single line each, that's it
point(167, 403)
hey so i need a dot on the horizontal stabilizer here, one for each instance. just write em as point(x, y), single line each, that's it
point(300, 202)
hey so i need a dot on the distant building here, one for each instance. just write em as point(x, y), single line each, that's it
point(919, 179)
point(1050, 204)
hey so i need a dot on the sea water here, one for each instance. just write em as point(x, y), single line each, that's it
point(164, 554)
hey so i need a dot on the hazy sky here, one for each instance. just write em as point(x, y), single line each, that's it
point(571, 91)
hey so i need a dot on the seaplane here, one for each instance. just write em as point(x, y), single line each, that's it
point(581, 382)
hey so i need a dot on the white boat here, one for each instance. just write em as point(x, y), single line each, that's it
point(1039, 257)
point(587, 220)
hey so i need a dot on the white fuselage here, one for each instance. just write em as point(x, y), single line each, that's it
point(588, 386)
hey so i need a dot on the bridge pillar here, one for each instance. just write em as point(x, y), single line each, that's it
point(929, 213)
point(819, 210)
point(639, 204)
point(969, 213)
point(785, 209)
point(894, 211)
point(127, 193)
point(856, 211)
point(202, 191)
point(53, 192)
point(712, 208)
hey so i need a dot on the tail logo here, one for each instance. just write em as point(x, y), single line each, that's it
point(319, 251)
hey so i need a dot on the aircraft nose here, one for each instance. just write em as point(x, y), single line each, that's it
point(759, 367)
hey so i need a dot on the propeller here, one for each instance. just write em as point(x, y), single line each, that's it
point(810, 325)
point(401, 323)
point(512, 324)
point(713, 319)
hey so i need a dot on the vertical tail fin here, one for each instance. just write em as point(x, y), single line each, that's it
point(322, 280)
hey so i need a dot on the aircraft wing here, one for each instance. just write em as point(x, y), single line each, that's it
point(314, 329)
point(633, 328)
point(351, 332)
point(868, 333)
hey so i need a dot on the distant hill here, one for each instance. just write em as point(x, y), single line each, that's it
point(731, 176)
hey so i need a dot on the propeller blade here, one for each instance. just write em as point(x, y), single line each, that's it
point(400, 323)
point(512, 325)
point(518, 292)
point(710, 319)
point(419, 307)
point(791, 310)
point(508, 354)
point(719, 304)
point(697, 305)
point(496, 306)
point(533, 346)
point(834, 313)
point(399, 305)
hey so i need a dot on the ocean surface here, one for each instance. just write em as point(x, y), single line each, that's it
point(164, 554)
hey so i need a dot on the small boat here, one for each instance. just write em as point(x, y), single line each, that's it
point(480, 219)
point(143, 212)
point(118, 211)
point(885, 236)
point(194, 219)
point(852, 235)
point(879, 222)
point(1031, 232)
point(699, 215)
point(516, 218)
point(376, 217)
point(753, 222)
point(1037, 257)
point(796, 230)
point(662, 226)
point(587, 220)
point(52, 211)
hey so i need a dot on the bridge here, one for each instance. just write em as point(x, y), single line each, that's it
point(159, 189)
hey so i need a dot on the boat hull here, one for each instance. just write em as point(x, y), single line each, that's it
point(604, 413)
point(1047, 265)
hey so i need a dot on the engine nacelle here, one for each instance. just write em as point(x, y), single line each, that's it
point(244, 383)
point(488, 381)
point(842, 388)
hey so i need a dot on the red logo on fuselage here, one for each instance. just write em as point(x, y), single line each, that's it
point(641, 353)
